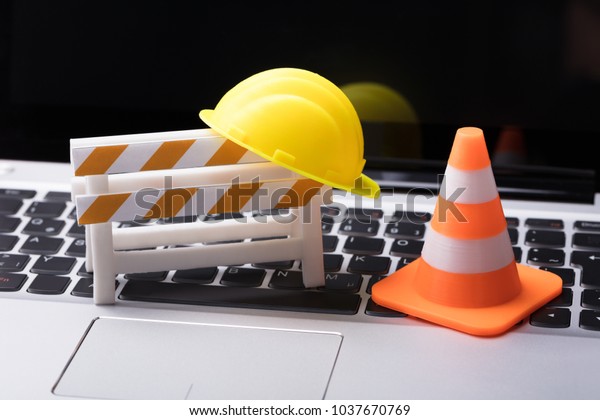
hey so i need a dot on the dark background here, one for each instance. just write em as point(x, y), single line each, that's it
point(87, 68)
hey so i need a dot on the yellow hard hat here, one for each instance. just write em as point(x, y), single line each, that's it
point(299, 120)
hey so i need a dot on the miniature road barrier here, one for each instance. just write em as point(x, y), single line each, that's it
point(157, 176)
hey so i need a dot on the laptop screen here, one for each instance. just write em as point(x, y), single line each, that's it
point(527, 74)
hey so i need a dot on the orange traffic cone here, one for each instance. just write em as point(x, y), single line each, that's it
point(467, 278)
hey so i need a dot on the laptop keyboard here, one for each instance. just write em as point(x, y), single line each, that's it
point(42, 256)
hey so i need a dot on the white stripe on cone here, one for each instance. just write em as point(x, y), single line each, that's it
point(469, 186)
point(467, 256)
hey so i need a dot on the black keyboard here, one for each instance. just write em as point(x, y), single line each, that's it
point(42, 256)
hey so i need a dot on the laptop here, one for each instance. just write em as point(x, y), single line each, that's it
point(251, 331)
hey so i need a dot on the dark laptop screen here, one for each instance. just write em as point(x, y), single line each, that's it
point(527, 73)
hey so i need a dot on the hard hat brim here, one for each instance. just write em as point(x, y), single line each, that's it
point(363, 185)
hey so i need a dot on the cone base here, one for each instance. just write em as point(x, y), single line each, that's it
point(398, 292)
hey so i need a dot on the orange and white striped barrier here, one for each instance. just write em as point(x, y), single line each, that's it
point(189, 173)
point(156, 151)
point(467, 278)
point(179, 202)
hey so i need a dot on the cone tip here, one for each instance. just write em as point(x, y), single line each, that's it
point(469, 150)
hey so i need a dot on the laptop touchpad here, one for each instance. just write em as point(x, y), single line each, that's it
point(136, 359)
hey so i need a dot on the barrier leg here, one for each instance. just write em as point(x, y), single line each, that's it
point(102, 251)
point(103, 257)
point(89, 260)
point(309, 227)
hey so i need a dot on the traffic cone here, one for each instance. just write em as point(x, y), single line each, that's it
point(467, 278)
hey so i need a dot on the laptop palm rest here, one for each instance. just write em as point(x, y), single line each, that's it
point(138, 359)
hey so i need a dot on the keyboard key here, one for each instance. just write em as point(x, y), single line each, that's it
point(41, 245)
point(42, 226)
point(518, 253)
point(332, 211)
point(76, 231)
point(586, 225)
point(285, 279)
point(58, 196)
point(374, 279)
point(361, 245)
point(374, 309)
point(586, 240)
point(365, 264)
point(589, 320)
point(8, 224)
point(149, 276)
point(44, 284)
point(243, 277)
point(546, 256)
point(590, 298)
point(565, 299)
point(566, 274)
point(513, 234)
point(76, 249)
point(217, 217)
point(544, 223)
point(545, 238)
point(359, 227)
point(243, 297)
point(589, 262)
point(278, 214)
point(512, 222)
point(85, 288)
point(12, 262)
point(7, 242)
point(135, 223)
point(404, 261)
point(326, 224)
point(47, 264)
point(9, 205)
point(329, 243)
point(177, 220)
point(343, 282)
point(551, 318)
point(14, 193)
point(81, 271)
point(196, 275)
point(406, 247)
point(45, 209)
point(404, 230)
point(411, 217)
point(274, 265)
point(366, 214)
point(333, 262)
point(11, 282)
